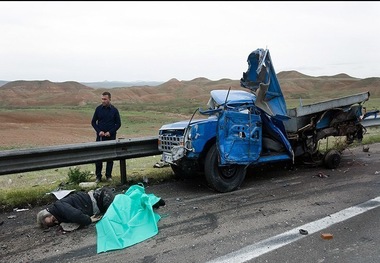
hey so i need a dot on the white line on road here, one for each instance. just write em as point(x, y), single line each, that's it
point(270, 244)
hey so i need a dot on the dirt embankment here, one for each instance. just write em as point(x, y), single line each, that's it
point(39, 129)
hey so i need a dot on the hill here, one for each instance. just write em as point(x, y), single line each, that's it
point(45, 93)
point(297, 85)
point(71, 93)
point(113, 84)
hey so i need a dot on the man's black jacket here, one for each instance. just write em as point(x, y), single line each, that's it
point(74, 208)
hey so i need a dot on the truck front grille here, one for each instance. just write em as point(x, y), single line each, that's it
point(167, 142)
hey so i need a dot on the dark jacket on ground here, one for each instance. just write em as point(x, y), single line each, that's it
point(74, 208)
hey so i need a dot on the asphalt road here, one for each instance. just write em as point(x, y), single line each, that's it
point(260, 222)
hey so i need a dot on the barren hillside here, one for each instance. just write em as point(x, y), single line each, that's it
point(71, 93)
point(45, 93)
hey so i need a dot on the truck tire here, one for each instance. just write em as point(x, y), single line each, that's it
point(332, 159)
point(222, 179)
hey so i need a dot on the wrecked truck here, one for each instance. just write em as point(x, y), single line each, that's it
point(252, 126)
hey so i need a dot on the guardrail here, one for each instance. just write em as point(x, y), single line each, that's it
point(371, 122)
point(26, 160)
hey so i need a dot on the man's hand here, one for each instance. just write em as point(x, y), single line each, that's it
point(96, 218)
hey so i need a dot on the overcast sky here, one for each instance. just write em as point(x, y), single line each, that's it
point(157, 41)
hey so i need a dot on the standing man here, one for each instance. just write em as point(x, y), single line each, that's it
point(106, 122)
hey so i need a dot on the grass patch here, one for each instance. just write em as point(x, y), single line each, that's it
point(24, 197)
point(339, 142)
point(372, 135)
point(77, 176)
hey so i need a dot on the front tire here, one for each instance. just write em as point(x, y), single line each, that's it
point(222, 179)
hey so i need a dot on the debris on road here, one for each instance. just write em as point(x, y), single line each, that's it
point(365, 148)
point(327, 236)
point(322, 175)
point(20, 209)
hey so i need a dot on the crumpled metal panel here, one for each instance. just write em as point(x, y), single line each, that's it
point(261, 78)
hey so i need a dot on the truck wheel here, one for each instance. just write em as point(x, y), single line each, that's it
point(222, 179)
point(332, 159)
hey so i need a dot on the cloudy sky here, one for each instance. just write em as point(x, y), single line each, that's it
point(157, 41)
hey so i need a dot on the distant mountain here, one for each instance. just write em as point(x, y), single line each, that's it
point(116, 84)
point(292, 74)
point(111, 84)
point(22, 93)
point(175, 92)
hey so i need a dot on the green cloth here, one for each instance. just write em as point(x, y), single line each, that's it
point(129, 220)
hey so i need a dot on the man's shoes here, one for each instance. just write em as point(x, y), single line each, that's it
point(97, 181)
point(109, 179)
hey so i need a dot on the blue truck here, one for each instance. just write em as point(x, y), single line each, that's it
point(252, 126)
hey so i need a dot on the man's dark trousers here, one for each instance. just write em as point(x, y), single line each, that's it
point(99, 165)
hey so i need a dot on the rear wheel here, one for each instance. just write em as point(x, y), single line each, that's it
point(225, 178)
point(332, 159)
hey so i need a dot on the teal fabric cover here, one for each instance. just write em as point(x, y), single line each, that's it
point(130, 219)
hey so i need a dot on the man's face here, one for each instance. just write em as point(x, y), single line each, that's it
point(105, 100)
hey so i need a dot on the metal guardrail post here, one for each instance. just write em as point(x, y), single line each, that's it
point(123, 171)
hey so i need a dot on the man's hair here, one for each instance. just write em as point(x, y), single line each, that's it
point(106, 93)
point(41, 218)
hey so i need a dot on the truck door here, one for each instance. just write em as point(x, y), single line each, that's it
point(239, 137)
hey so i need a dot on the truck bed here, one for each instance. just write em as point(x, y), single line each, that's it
point(300, 116)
